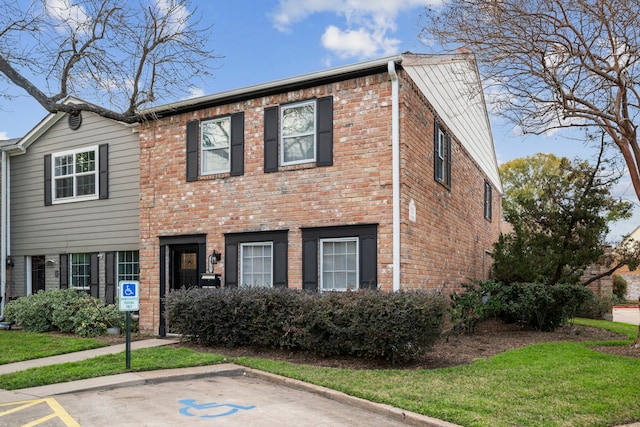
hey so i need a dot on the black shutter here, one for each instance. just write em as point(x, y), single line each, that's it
point(271, 139)
point(310, 264)
point(448, 161)
point(103, 153)
point(193, 130)
point(237, 144)
point(231, 265)
point(94, 279)
point(280, 263)
point(202, 261)
point(64, 271)
point(325, 132)
point(368, 262)
point(47, 180)
point(110, 277)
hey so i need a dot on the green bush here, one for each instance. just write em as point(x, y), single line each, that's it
point(473, 305)
point(64, 310)
point(619, 288)
point(596, 307)
point(538, 306)
point(395, 326)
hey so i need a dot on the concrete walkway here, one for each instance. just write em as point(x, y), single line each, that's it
point(626, 314)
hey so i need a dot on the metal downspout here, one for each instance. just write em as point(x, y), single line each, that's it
point(395, 143)
point(3, 233)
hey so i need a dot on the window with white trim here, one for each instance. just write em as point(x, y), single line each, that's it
point(298, 133)
point(339, 264)
point(487, 200)
point(128, 265)
point(75, 175)
point(256, 264)
point(215, 146)
point(80, 271)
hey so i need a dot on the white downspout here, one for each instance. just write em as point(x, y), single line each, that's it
point(395, 144)
point(3, 233)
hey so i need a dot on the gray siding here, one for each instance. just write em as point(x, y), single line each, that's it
point(87, 226)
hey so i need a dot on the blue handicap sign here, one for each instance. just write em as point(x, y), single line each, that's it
point(211, 409)
point(129, 289)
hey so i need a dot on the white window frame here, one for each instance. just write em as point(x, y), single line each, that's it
point(74, 175)
point(122, 275)
point(441, 172)
point(243, 246)
point(227, 168)
point(311, 133)
point(73, 274)
point(357, 263)
point(488, 201)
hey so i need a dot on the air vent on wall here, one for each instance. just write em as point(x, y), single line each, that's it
point(75, 120)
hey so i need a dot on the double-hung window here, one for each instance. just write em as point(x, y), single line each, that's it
point(442, 156)
point(256, 264)
point(75, 175)
point(216, 145)
point(128, 265)
point(487, 200)
point(80, 271)
point(339, 264)
point(298, 133)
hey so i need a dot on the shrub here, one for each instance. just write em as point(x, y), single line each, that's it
point(473, 305)
point(65, 310)
point(596, 307)
point(539, 306)
point(395, 326)
point(619, 287)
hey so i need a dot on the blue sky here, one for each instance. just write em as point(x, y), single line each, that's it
point(259, 41)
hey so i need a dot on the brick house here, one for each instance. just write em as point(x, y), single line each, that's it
point(632, 277)
point(70, 206)
point(380, 174)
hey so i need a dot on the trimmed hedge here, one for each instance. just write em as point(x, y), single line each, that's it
point(396, 326)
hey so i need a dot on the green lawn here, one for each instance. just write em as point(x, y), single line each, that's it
point(552, 384)
point(17, 346)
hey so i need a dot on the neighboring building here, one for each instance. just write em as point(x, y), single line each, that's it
point(72, 205)
point(632, 277)
point(4, 225)
point(379, 175)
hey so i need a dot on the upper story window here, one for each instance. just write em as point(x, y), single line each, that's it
point(442, 156)
point(215, 146)
point(76, 175)
point(298, 133)
point(487, 200)
point(215, 139)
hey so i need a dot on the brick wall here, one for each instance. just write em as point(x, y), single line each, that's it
point(444, 246)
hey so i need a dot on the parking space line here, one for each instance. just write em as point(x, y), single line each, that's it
point(58, 411)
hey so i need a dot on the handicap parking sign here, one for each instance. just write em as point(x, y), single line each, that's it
point(129, 295)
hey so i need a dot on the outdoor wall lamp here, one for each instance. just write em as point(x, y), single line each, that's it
point(9, 261)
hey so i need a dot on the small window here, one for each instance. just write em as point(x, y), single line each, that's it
point(442, 156)
point(128, 265)
point(339, 264)
point(298, 133)
point(75, 175)
point(256, 264)
point(80, 271)
point(487, 200)
point(216, 145)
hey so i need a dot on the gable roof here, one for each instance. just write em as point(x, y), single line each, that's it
point(451, 83)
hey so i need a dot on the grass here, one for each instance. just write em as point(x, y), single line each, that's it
point(18, 346)
point(552, 384)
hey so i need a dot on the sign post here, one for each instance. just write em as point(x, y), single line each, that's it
point(128, 301)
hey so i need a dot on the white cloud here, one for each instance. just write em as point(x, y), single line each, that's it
point(72, 15)
point(3, 135)
point(366, 27)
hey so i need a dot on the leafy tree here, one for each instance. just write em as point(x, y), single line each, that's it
point(560, 211)
point(122, 54)
point(557, 63)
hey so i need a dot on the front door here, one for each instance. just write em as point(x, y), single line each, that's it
point(182, 261)
point(37, 273)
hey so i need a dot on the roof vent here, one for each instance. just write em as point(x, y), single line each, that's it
point(75, 120)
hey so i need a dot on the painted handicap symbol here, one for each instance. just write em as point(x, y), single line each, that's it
point(191, 405)
point(129, 290)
